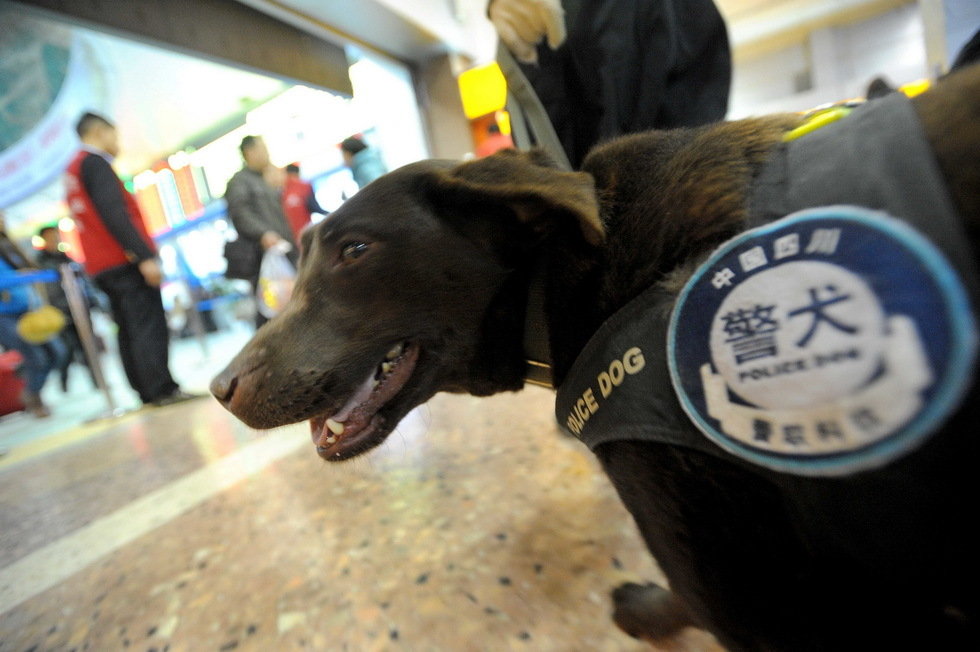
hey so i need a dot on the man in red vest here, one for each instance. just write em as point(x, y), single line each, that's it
point(298, 201)
point(121, 257)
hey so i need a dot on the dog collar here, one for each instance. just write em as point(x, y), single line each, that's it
point(538, 373)
point(537, 352)
point(826, 114)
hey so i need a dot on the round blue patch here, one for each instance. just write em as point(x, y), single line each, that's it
point(831, 341)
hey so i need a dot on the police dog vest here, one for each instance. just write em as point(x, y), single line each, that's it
point(833, 336)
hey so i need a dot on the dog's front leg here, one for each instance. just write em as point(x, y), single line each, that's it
point(649, 612)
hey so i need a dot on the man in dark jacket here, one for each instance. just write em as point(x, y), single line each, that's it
point(121, 258)
point(255, 208)
point(625, 66)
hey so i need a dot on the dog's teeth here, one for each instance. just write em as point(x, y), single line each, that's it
point(375, 383)
point(395, 352)
point(331, 440)
point(385, 367)
point(335, 427)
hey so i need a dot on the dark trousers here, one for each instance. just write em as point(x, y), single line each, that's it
point(144, 340)
point(74, 352)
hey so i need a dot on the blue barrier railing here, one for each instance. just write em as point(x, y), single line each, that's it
point(8, 280)
point(216, 209)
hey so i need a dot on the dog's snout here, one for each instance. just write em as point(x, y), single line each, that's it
point(224, 384)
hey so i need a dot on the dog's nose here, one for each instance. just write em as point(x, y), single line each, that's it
point(224, 384)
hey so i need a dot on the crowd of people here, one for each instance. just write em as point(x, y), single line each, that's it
point(676, 67)
point(268, 206)
point(37, 360)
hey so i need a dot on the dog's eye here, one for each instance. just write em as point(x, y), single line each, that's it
point(353, 250)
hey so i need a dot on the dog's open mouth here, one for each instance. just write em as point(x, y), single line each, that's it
point(359, 424)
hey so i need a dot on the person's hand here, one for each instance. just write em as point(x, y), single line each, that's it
point(521, 24)
point(152, 274)
point(270, 239)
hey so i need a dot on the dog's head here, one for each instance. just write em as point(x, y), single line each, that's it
point(412, 287)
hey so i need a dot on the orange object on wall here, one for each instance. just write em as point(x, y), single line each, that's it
point(152, 207)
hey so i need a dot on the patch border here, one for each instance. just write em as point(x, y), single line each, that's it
point(951, 387)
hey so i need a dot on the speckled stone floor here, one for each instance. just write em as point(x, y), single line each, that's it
point(477, 526)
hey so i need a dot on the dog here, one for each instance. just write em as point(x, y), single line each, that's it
point(430, 279)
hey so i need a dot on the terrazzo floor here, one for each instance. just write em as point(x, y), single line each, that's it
point(477, 526)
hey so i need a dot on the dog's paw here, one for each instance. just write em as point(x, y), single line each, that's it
point(648, 611)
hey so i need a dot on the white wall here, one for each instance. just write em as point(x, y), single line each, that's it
point(384, 95)
point(840, 60)
point(461, 24)
point(962, 21)
point(892, 44)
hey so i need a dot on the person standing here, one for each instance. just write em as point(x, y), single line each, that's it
point(52, 257)
point(255, 208)
point(364, 162)
point(38, 360)
point(298, 201)
point(121, 258)
point(620, 66)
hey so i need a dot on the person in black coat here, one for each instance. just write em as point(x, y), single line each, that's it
point(612, 67)
point(256, 211)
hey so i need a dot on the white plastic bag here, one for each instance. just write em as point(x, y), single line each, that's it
point(276, 278)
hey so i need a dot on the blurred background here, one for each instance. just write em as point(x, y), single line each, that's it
point(184, 81)
point(184, 87)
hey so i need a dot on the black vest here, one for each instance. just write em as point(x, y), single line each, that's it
point(877, 158)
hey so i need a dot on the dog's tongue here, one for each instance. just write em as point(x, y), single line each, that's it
point(354, 416)
point(359, 399)
point(361, 407)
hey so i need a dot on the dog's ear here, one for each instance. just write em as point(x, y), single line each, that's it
point(528, 183)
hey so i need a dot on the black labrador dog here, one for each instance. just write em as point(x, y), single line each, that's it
point(422, 282)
